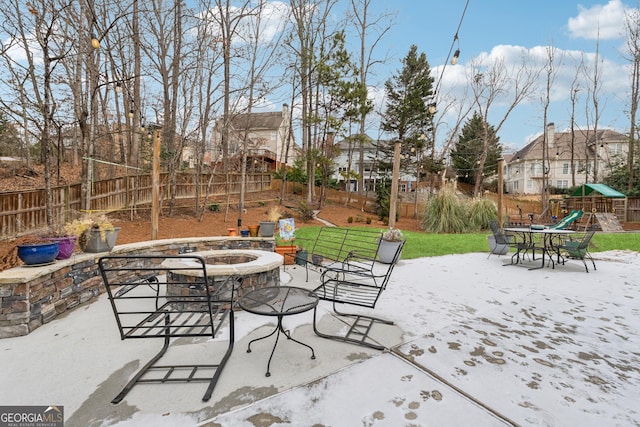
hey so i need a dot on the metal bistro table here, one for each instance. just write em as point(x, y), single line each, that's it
point(547, 241)
point(278, 301)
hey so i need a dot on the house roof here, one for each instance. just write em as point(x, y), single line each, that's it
point(606, 191)
point(561, 142)
point(255, 121)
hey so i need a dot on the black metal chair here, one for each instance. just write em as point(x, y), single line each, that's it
point(358, 281)
point(165, 297)
point(577, 249)
point(512, 241)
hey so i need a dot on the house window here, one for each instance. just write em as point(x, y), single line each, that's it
point(536, 169)
point(565, 169)
point(403, 188)
point(562, 183)
point(529, 183)
point(515, 185)
point(274, 135)
point(615, 149)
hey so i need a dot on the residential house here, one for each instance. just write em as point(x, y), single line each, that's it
point(347, 167)
point(589, 154)
point(266, 135)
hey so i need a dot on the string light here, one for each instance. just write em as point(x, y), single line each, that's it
point(95, 42)
point(456, 55)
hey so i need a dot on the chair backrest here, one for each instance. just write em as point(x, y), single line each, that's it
point(340, 243)
point(584, 243)
point(499, 235)
point(579, 248)
point(356, 286)
point(158, 295)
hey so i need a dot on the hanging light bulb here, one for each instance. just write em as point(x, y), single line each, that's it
point(95, 42)
point(456, 55)
point(432, 108)
point(131, 113)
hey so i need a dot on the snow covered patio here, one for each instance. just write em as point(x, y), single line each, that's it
point(475, 343)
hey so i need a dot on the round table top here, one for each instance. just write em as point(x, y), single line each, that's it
point(278, 301)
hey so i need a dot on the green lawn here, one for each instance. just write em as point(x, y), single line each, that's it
point(420, 244)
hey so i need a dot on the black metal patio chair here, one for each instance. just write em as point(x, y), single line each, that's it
point(167, 297)
point(360, 282)
point(577, 249)
point(511, 240)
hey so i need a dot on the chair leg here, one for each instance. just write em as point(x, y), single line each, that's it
point(358, 332)
point(223, 361)
point(127, 388)
point(171, 369)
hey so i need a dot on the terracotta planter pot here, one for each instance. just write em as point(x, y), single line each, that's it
point(253, 230)
point(290, 250)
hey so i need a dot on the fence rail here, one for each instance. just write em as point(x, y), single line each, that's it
point(24, 211)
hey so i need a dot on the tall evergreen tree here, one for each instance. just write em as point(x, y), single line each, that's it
point(469, 148)
point(407, 114)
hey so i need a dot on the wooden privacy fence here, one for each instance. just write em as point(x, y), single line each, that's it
point(22, 212)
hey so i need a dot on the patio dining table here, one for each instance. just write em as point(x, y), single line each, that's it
point(531, 236)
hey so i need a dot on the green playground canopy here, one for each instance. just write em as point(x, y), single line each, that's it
point(587, 189)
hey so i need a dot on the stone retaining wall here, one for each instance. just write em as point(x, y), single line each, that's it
point(32, 296)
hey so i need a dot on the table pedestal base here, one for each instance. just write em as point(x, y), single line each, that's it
point(279, 329)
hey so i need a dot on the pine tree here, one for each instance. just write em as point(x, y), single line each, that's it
point(407, 114)
point(469, 147)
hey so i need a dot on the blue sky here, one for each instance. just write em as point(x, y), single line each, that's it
point(506, 28)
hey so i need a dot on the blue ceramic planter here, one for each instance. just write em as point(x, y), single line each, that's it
point(38, 253)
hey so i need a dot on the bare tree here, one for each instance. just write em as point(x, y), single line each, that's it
point(497, 83)
point(262, 55)
point(370, 34)
point(632, 55)
point(550, 71)
point(34, 80)
point(592, 115)
point(575, 88)
point(306, 42)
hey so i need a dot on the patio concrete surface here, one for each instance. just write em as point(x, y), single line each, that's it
point(475, 343)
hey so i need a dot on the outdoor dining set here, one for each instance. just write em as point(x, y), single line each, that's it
point(554, 243)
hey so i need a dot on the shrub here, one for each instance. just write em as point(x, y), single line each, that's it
point(393, 235)
point(369, 220)
point(350, 220)
point(214, 207)
point(383, 202)
point(359, 218)
point(446, 213)
point(482, 211)
point(305, 211)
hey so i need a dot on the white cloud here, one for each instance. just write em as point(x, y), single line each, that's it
point(599, 22)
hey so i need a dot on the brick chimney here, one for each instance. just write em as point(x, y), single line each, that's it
point(551, 130)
